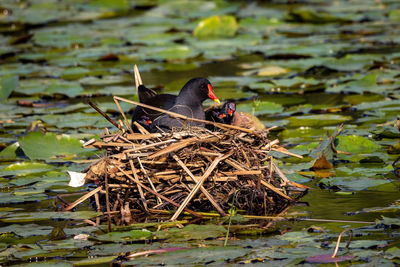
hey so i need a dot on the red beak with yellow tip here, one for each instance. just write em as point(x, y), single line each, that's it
point(212, 95)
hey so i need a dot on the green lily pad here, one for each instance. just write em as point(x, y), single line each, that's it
point(49, 215)
point(366, 84)
point(7, 85)
point(199, 256)
point(232, 93)
point(117, 248)
point(314, 16)
point(355, 144)
point(47, 263)
point(25, 230)
point(168, 53)
point(125, 236)
point(61, 39)
point(358, 99)
point(317, 120)
point(49, 87)
point(10, 152)
point(394, 15)
point(76, 120)
point(392, 253)
point(94, 261)
point(50, 146)
point(192, 231)
point(389, 221)
point(216, 26)
point(108, 5)
point(103, 81)
point(353, 183)
point(183, 8)
point(261, 107)
point(25, 168)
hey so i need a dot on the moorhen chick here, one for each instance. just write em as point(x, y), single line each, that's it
point(188, 102)
point(224, 114)
point(143, 121)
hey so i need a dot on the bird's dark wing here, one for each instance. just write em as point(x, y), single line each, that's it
point(145, 93)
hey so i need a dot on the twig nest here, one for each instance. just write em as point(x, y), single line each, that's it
point(196, 171)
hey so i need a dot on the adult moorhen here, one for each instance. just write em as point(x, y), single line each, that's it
point(224, 114)
point(150, 97)
point(188, 102)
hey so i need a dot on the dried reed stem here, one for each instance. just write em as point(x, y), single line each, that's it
point(205, 192)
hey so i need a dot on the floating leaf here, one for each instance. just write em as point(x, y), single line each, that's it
point(358, 99)
point(352, 183)
point(355, 144)
point(394, 15)
point(200, 256)
point(49, 215)
point(108, 5)
point(272, 71)
point(175, 52)
point(7, 85)
point(317, 120)
point(366, 84)
point(24, 168)
point(95, 261)
point(389, 221)
point(192, 231)
point(261, 107)
point(327, 258)
point(392, 253)
point(47, 263)
point(216, 26)
point(125, 236)
point(313, 16)
point(75, 120)
point(183, 8)
point(49, 146)
point(10, 152)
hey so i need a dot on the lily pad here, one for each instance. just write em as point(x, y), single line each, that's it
point(192, 231)
point(355, 144)
point(216, 26)
point(327, 258)
point(311, 15)
point(25, 168)
point(366, 84)
point(317, 120)
point(169, 53)
point(94, 261)
point(261, 107)
point(125, 236)
point(50, 146)
point(10, 152)
point(7, 85)
point(348, 183)
point(49, 215)
point(200, 256)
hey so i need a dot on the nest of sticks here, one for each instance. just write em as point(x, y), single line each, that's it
point(192, 171)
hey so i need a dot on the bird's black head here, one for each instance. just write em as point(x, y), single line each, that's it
point(199, 88)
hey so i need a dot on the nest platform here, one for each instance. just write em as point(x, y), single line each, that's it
point(195, 171)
